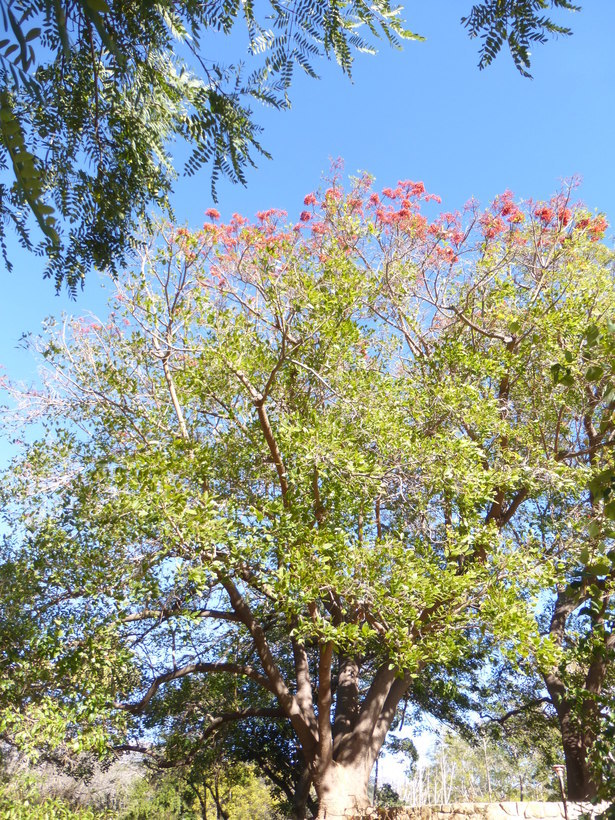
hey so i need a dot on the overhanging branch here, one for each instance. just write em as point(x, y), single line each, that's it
point(191, 669)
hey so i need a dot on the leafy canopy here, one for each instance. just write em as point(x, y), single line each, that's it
point(517, 24)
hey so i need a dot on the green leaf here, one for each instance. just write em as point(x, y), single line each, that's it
point(594, 373)
point(592, 334)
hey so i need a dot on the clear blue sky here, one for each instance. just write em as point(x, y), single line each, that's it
point(425, 113)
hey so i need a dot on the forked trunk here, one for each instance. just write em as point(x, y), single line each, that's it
point(342, 791)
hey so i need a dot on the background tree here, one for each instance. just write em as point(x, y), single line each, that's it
point(93, 92)
point(305, 461)
point(484, 769)
point(578, 613)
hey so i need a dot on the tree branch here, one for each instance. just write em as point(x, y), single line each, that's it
point(277, 684)
point(191, 669)
point(162, 614)
point(518, 711)
point(325, 741)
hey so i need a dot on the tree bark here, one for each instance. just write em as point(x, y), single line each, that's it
point(576, 743)
point(342, 790)
point(341, 778)
point(302, 795)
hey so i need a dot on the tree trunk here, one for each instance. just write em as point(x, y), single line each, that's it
point(302, 795)
point(576, 743)
point(578, 724)
point(342, 791)
point(580, 785)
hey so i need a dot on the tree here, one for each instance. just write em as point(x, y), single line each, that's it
point(484, 769)
point(303, 465)
point(93, 92)
point(387, 796)
point(578, 612)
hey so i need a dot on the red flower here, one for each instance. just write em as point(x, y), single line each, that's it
point(447, 254)
point(544, 213)
point(305, 216)
point(597, 228)
point(212, 213)
point(319, 228)
point(310, 200)
point(491, 225)
point(263, 216)
point(333, 193)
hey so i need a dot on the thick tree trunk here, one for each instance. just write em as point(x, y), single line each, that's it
point(579, 782)
point(576, 744)
point(342, 791)
point(578, 723)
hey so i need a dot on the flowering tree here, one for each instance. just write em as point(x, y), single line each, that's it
point(297, 467)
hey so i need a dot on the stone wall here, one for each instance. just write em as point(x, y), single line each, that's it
point(491, 811)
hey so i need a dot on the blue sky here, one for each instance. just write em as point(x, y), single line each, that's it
point(425, 113)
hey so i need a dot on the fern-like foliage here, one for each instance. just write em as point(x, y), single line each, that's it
point(517, 24)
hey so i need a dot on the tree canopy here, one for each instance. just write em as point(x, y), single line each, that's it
point(93, 93)
point(300, 468)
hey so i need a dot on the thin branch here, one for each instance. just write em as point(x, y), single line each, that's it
point(518, 711)
point(490, 334)
point(274, 450)
point(277, 684)
point(162, 614)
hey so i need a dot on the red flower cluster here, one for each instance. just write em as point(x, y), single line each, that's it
point(212, 213)
point(447, 254)
point(333, 193)
point(508, 208)
point(544, 213)
point(319, 228)
point(310, 199)
point(491, 224)
point(595, 227)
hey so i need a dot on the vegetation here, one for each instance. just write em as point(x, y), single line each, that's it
point(93, 92)
point(485, 770)
point(518, 25)
point(299, 470)
point(236, 795)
